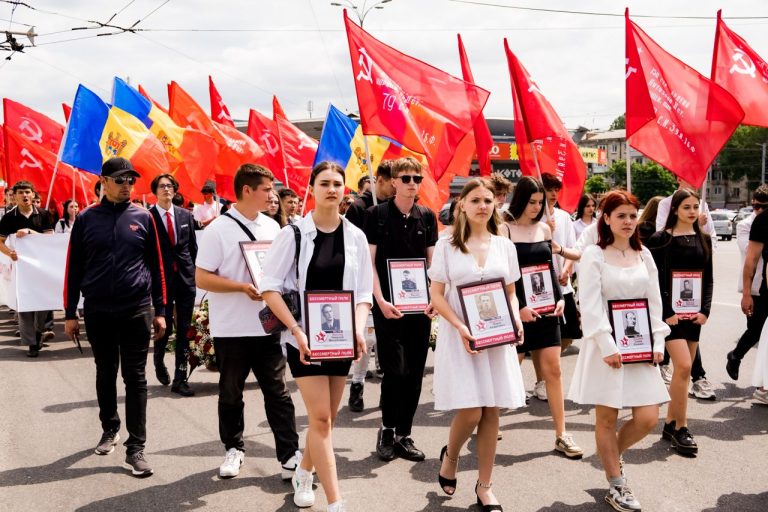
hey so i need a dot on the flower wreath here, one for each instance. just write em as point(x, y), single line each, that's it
point(200, 351)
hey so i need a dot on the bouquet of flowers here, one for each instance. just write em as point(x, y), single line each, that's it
point(200, 352)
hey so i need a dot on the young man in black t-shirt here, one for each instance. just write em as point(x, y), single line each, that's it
point(399, 228)
point(24, 220)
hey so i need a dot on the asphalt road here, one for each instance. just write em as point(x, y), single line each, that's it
point(49, 427)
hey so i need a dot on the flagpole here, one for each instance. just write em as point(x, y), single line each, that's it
point(704, 191)
point(538, 171)
point(85, 192)
point(629, 168)
point(370, 169)
point(304, 204)
point(53, 179)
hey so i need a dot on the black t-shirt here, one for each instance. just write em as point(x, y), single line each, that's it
point(39, 220)
point(356, 213)
point(759, 233)
point(326, 267)
point(400, 236)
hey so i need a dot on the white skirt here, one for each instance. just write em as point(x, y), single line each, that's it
point(760, 373)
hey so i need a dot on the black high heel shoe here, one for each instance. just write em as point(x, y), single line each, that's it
point(447, 482)
point(486, 508)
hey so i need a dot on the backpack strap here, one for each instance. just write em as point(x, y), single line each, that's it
point(242, 226)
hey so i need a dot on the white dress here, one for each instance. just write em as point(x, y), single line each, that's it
point(491, 378)
point(760, 373)
point(594, 382)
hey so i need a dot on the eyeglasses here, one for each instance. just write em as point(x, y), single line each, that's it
point(122, 180)
point(165, 186)
point(407, 179)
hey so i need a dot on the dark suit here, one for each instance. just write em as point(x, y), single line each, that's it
point(334, 326)
point(179, 269)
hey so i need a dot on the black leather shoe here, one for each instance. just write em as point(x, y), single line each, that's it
point(356, 397)
point(668, 433)
point(684, 443)
point(181, 387)
point(34, 351)
point(732, 366)
point(161, 372)
point(404, 448)
point(385, 444)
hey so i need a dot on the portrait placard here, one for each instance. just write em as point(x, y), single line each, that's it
point(686, 292)
point(408, 284)
point(254, 254)
point(488, 313)
point(539, 288)
point(631, 325)
point(330, 325)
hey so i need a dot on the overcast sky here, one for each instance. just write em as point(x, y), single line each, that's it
point(297, 49)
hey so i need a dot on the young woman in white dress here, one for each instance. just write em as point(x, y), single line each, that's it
point(618, 268)
point(585, 214)
point(474, 384)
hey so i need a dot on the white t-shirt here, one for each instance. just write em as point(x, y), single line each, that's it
point(565, 237)
point(232, 314)
point(203, 212)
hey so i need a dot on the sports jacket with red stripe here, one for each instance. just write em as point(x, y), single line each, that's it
point(114, 261)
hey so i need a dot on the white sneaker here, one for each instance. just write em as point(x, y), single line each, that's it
point(287, 469)
point(232, 462)
point(666, 373)
point(621, 498)
point(702, 389)
point(303, 495)
point(761, 395)
point(339, 506)
point(540, 390)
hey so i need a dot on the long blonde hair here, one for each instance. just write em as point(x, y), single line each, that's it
point(461, 225)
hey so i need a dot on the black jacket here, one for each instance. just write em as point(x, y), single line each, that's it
point(357, 211)
point(114, 260)
point(179, 259)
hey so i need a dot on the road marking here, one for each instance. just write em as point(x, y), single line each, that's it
point(729, 304)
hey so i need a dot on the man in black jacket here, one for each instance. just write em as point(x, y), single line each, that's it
point(114, 260)
point(178, 245)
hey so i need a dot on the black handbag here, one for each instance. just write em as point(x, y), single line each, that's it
point(269, 321)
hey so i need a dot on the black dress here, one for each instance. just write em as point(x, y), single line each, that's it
point(325, 272)
point(682, 252)
point(545, 331)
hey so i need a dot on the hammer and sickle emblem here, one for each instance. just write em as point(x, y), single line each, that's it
point(270, 143)
point(29, 160)
point(302, 140)
point(366, 63)
point(31, 130)
point(630, 70)
point(743, 65)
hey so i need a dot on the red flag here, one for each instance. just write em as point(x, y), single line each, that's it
point(263, 130)
point(298, 150)
point(482, 133)
point(67, 111)
point(34, 126)
point(146, 95)
point(537, 123)
point(741, 71)
point(3, 174)
point(675, 115)
point(420, 106)
point(219, 111)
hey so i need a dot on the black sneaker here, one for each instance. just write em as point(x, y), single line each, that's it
point(684, 443)
point(34, 351)
point(107, 443)
point(182, 388)
point(161, 372)
point(385, 444)
point(356, 397)
point(404, 448)
point(732, 366)
point(668, 433)
point(137, 465)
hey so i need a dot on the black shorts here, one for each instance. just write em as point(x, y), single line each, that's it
point(320, 368)
point(684, 330)
point(570, 327)
point(542, 333)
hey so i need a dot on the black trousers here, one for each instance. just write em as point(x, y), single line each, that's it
point(185, 304)
point(121, 341)
point(402, 346)
point(262, 355)
point(754, 327)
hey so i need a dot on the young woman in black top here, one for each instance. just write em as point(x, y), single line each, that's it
point(682, 246)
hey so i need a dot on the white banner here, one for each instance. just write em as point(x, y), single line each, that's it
point(7, 281)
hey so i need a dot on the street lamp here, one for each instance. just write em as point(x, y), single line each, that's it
point(361, 11)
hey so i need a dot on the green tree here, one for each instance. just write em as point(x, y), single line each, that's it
point(742, 155)
point(648, 179)
point(619, 123)
point(596, 185)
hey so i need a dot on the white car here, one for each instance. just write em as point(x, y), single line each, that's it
point(723, 227)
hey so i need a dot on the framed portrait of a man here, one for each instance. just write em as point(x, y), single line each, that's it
point(631, 325)
point(408, 284)
point(254, 254)
point(539, 288)
point(686, 292)
point(488, 313)
point(330, 325)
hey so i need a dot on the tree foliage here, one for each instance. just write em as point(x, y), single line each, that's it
point(648, 179)
point(619, 123)
point(596, 185)
point(742, 155)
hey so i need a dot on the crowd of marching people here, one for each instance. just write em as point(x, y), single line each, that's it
point(138, 269)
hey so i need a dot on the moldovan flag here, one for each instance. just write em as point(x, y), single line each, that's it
point(342, 143)
point(263, 131)
point(192, 152)
point(413, 103)
point(97, 132)
point(219, 111)
point(537, 124)
point(675, 115)
point(482, 133)
point(235, 148)
point(741, 71)
point(298, 150)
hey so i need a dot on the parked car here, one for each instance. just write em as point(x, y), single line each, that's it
point(746, 210)
point(735, 222)
point(723, 225)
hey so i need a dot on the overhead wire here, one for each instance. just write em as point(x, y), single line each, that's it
point(328, 56)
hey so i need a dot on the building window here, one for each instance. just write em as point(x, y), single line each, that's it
point(736, 192)
point(614, 148)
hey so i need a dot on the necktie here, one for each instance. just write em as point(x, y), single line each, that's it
point(169, 227)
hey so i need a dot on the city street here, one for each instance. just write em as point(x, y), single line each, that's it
point(49, 427)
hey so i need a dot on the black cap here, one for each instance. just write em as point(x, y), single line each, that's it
point(115, 167)
point(209, 188)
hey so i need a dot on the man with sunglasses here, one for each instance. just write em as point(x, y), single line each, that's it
point(114, 260)
point(756, 317)
point(399, 228)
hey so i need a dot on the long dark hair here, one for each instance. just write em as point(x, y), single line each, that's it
point(65, 206)
point(611, 201)
point(677, 198)
point(583, 202)
point(525, 188)
point(461, 225)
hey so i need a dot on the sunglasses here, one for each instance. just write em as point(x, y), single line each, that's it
point(122, 180)
point(407, 179)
